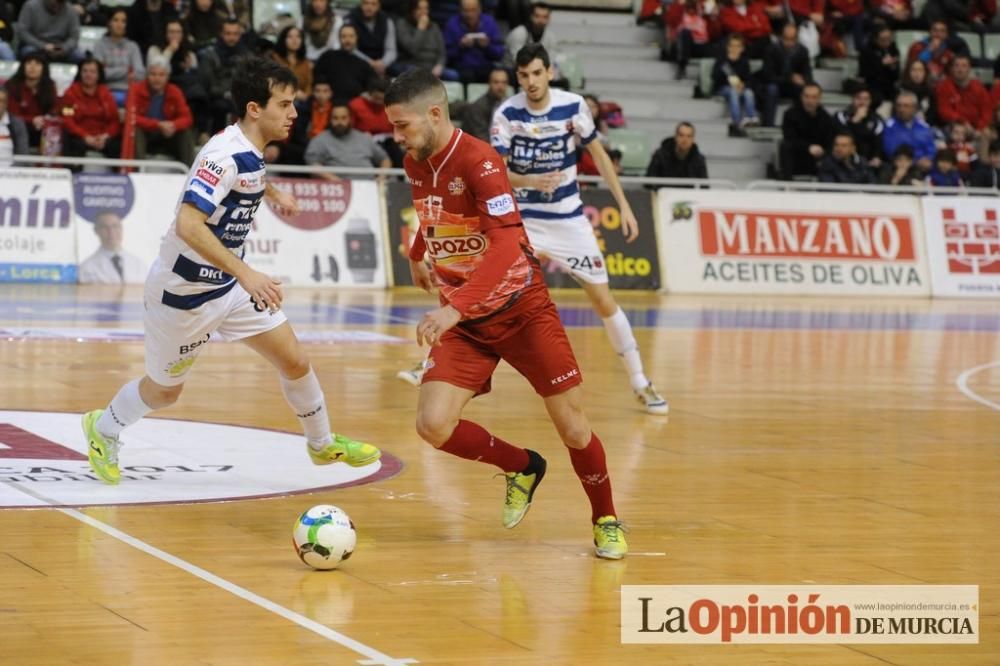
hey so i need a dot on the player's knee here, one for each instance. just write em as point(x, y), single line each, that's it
point(576, 435)
point(296, 367)
point(434, 428)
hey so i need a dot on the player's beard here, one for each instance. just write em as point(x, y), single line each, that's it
point(427, 149)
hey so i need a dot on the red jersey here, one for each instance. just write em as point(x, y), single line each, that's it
point(468, 214)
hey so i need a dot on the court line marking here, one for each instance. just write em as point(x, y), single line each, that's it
point(374, 657)
point(963, 385)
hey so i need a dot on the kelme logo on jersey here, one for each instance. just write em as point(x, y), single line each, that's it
point(451, 248)
point(500, 205)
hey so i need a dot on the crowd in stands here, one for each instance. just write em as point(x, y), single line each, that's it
point(172, 60)
point(929, 114)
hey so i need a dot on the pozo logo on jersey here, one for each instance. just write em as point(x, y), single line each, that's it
point(456, 246)
point(500, 205)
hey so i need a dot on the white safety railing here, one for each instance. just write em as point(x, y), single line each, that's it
point(110, 162)
point(816, 186)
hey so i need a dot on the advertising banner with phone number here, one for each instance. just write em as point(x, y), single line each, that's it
point(630, 265)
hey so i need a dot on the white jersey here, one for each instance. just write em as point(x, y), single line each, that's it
point(226, 183)
point(544, 141)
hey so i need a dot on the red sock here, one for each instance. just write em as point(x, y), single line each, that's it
point(473, 442)
point(592, 468)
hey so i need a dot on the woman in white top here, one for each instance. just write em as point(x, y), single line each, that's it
point(120, 56)
point(321, 26)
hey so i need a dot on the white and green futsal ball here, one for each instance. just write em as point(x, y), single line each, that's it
point(324, 537)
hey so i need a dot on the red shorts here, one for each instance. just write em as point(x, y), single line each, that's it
point(530, 337)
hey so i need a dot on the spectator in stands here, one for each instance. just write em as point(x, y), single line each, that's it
point(175, 46)
point(376, 35)
point(32, 95)
point(535, 31)
point(216, 68)
point(421, 43)
point(120, 56)
point(7, 25)
point(237, 10)
point(962, 99)
point(846, 17)
point(343, 146)
point(936, 50)
point(992, 131)
point(945, 172)
point(368, 115)
point(90, 114)
point(692, 26)
point(203, 23)
point(290, 51)
point(879, 65)
point(162, 117)
point(897, 14)
point(51, 27)
point(807, 133)
point(915, 80)
point(960, 143)
point(322, 27)
point(585, 164)
point(111, 263)
point(678, 156)
point(313, 119)
point(988, 173)
point(731, 79)
point(864, 125)
point(901, 171)
point(478, 116)
point(750, 20)
point(786, 70)
point(473, 42)
point(13, 133)
point(347, 73)
point(961, 15)
point(843, 164)
point(906, 128)
point(147, 19)
point(597, 113)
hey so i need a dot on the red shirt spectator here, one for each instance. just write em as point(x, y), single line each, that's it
point(963, 99)
point(933, 50)
point(896, 11)
point(847, 7)
point(175, 108)
point(803, 9)
point(368, 112)
point(983, 11)
point(90, 110)
point(691, 16)
point(746, 18)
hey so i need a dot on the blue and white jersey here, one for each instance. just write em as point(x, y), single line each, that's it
point(542, 141)
point(226, 183)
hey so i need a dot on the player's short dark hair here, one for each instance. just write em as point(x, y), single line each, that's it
point(413, 85)
point(531, 51)
point(255, 78)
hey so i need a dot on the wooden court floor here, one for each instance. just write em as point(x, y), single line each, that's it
point(821, 441)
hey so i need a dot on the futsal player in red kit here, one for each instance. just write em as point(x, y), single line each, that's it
point(494, 305)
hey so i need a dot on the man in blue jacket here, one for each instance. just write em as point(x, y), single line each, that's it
point(473, 42)
point(906, 128)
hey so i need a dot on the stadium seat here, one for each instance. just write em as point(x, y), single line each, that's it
point(991, 46)
point(7, 69)
point(474, 91)
point(266, 10)
point(455, 90)
point(571, 69)
point(974, 42)
point(62, 75)
point(89, 36)
point(905, 38)
point(635, 147)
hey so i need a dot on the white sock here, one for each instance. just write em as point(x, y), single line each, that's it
point(125, 409)
point(305, 397)
point(624, 344)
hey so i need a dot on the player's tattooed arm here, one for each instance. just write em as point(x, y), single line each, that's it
point(193, 230)
point(630, 227)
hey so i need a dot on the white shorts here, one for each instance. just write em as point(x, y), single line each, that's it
point(174, 338)
point(571, 244)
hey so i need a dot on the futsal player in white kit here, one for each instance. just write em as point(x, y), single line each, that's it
point(537, 131)
point(199, 286)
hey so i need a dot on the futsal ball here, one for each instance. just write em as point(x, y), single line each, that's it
point(324, 537)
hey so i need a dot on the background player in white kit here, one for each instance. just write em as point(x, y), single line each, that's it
point(537, 131)
point(200, 286)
